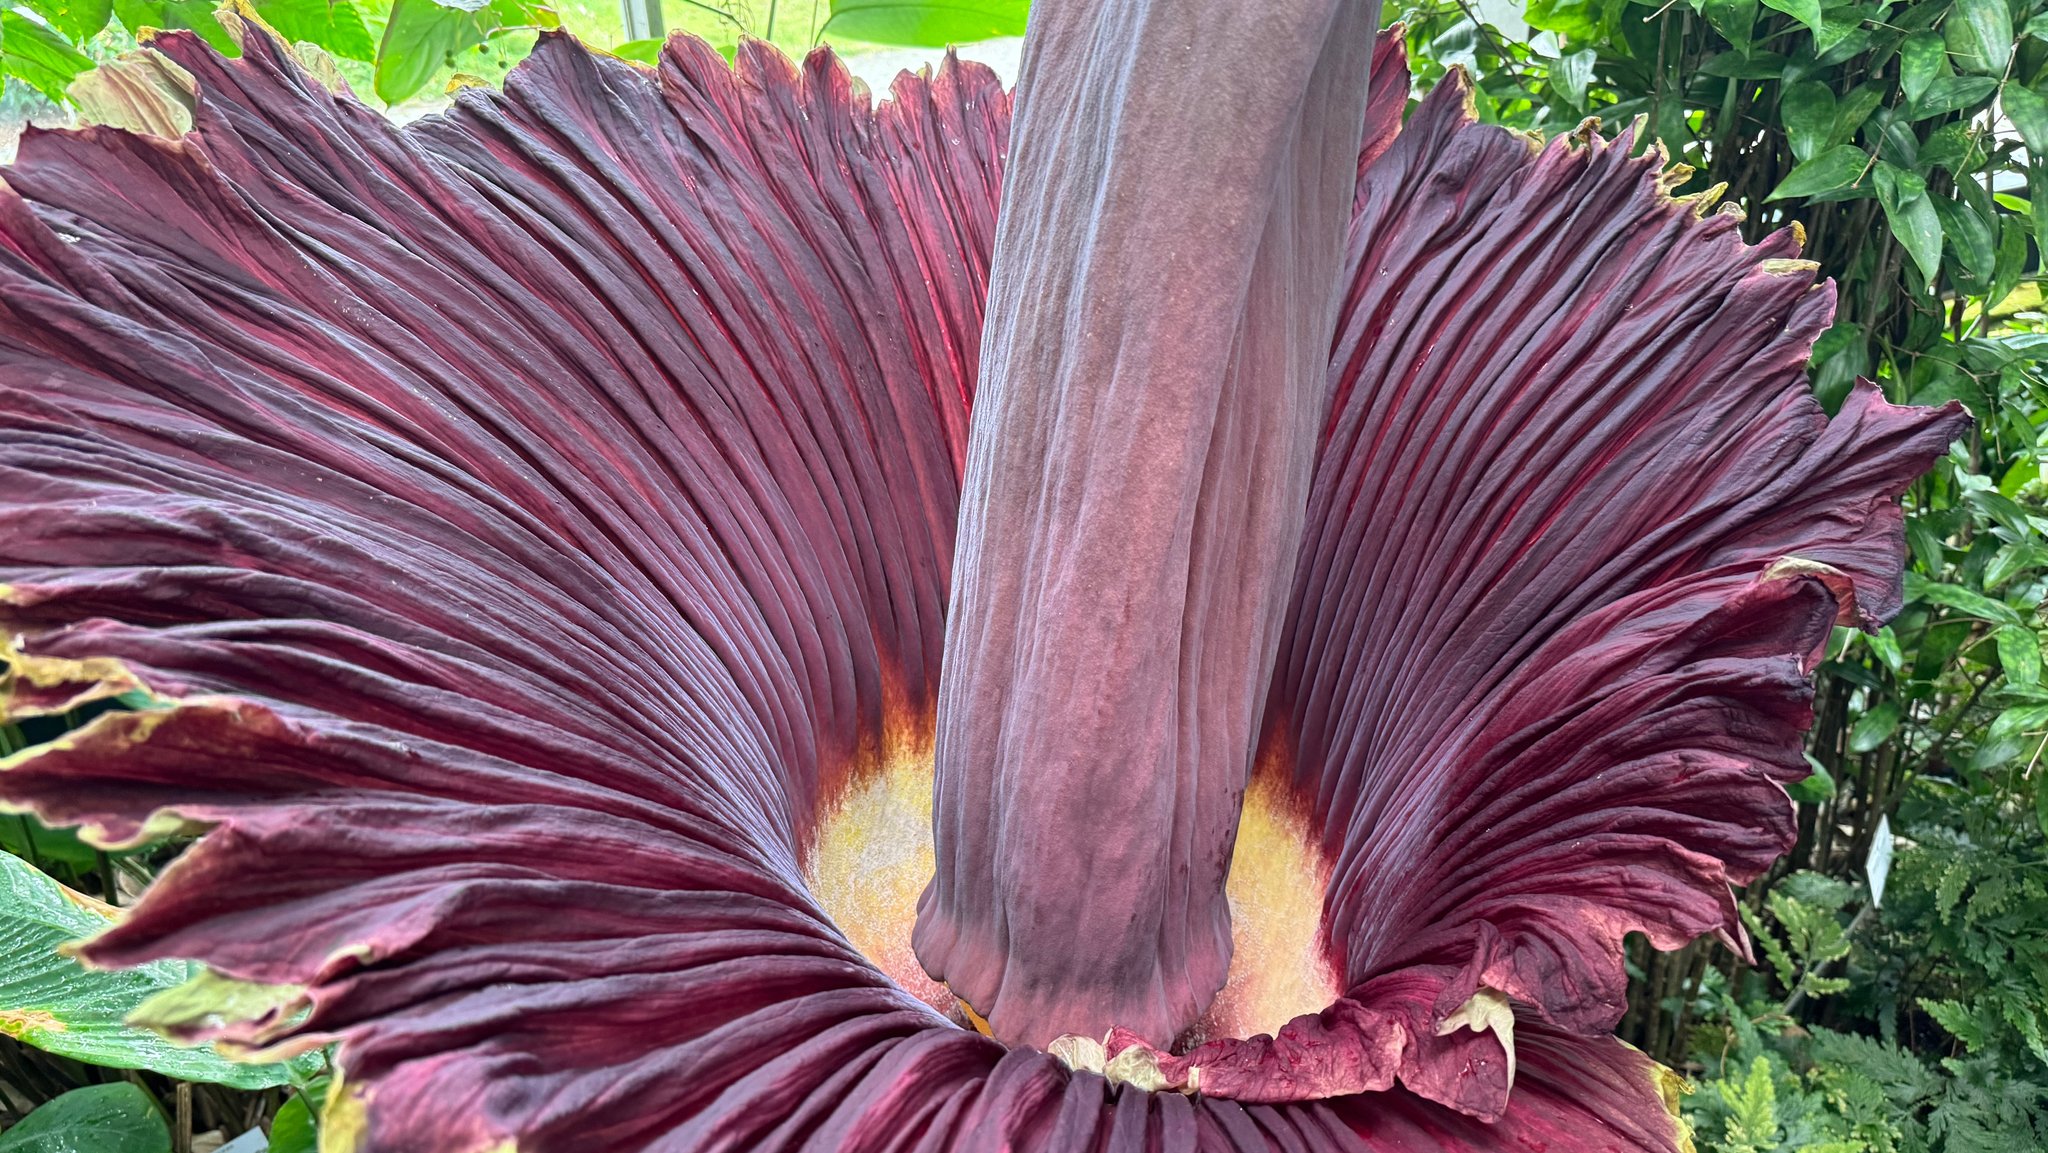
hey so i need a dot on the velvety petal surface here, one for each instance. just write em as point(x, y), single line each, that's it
point(528, 520)
point(1577, 537)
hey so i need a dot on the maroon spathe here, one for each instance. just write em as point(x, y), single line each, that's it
point(533, 511)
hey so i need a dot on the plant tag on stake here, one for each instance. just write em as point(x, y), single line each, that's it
point(1878, 865)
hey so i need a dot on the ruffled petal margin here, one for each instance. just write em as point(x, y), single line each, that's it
point(1577, 539)
point(515, 524)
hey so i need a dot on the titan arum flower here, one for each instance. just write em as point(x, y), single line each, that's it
point(632, 706)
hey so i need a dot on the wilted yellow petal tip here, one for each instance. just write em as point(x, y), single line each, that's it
point(345, 1119)
point(1082, 1054)
point(210, 1000)
point(1487, 1009)
point(1137, 1067)
point(1788, 567)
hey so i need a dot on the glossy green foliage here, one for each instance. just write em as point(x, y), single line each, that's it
point(407, 50)
point(111, 1118)
point(49, 1001)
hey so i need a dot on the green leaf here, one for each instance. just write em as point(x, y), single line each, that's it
point(1969, 234)
point(2019, 654)
point(1807, 12)
point(38, 56)
point(1885, 644)
point(1840, 35)
point(1921, 59)
point(422, 37)
point(1733, 19)
point(1572, 73)
point(1808, 110)
point(52, 1002)
point(1855, 108)
point(1979, 36)
point(165, 15)
point(1752, 1103)
point(640, 52)
point(335, 25)
point(1952, 94)
point(1831, 171)
point(1963, 600)
point(77, 20)
point(928, 24)
point(113, 1118)
point(2037, 192)
point(296, 1128)
point(1815, 787)
point(1875, 727)
point(1957, 147)
point(2011, 263)
point(2028, 113)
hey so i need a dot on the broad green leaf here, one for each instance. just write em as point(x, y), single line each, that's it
point(165, 15)
point(1855, 108)
point(1572, 73)
point(77, 20)
point(924, 24)
point(2019, 654)
point(1956, 146)
point(38, 56)
point(1969, 234)
point(2011, 561)
point(2011, 263)
point(641, 52)
point(297, 1129)
point(423, 36)
point(1840, 35)
point(2028, 112)
point(1949, 94)
point(1979, 36)
point(1815, 787)
point(2037, 192)
point(335, 25)
point(1952, 94)
point(1874, 727)
point(1963, 600)
point(1832, 171)
point(2041, 805)
point(1808, 110)
point(1921, 59)
point(1807, 12)
point(1733, 19)
point(1840, 357)
point(113, 1118)
point(1885, 644)
point(52, 1002)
